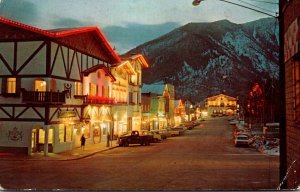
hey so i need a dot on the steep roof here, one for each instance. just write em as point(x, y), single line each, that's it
point(95, 68)
point(221, 95)
point(89, 40)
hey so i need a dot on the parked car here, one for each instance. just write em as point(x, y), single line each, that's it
point(135, 138)
point(162, 134)
point(189, 125)
point(173, 132)
point(233, 122)
point(156, 137)
point(242, 140)
point(179, 128)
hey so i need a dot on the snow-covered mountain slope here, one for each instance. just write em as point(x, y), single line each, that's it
point(203, 59)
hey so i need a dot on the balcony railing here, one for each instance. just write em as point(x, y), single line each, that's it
point(222, 106)
point(43, 97)
point(98, 100)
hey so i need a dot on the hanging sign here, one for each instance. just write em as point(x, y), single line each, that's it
point(66, 114)
point(291, 40)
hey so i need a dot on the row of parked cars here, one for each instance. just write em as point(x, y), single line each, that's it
point(241, 136)
point(146, 137)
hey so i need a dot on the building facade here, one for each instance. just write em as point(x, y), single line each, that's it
point(221, 105)
point(51, 81)
point(127, 93)
point(290, 18)
point(158, 106)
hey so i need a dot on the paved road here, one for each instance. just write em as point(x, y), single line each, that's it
point(204, 158)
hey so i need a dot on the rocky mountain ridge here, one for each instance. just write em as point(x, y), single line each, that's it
point(204, 59)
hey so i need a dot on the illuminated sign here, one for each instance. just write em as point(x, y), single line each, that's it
point(66, 114)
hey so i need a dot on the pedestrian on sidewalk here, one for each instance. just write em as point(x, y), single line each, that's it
point(82, 139)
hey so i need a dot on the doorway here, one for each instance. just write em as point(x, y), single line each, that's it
point(38, 140)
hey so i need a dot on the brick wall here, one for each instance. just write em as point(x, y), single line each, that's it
point(291, 12)
point(292, 130)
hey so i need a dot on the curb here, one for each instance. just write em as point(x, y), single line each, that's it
point(59, 159)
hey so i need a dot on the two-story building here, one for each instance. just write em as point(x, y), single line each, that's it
point(221, 104)
point(127, 93)
point(158, 105)
point(55, 86)
point(180, 114)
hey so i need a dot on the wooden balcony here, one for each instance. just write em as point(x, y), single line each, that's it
point(98, 100)
point(39, 97)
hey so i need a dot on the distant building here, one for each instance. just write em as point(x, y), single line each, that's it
point(221, 104)
point(161, 98)
point(179, 112)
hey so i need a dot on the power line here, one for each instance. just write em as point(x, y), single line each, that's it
point(266, 2)
point(256, 6)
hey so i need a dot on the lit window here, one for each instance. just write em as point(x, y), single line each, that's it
point(40, 85)
point(93, 89)
point(78, 88)
point(11, 85)
point(65, 134)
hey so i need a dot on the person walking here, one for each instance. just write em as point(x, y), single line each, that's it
point(82, 139)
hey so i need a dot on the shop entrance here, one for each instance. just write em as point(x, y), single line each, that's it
point(38, 140)
point(97, 133)
point(104, 131)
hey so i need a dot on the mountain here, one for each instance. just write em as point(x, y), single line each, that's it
point(204, 59)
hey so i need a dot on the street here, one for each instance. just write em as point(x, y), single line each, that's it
point(203, 158)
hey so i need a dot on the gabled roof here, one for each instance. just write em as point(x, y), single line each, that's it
point(212, 98)
point(95, 68)
point(126, 65)
point(64, 34)
point(141, 59)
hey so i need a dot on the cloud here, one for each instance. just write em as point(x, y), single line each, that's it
point(19, 10)
point(70, 22)
point(131, 35)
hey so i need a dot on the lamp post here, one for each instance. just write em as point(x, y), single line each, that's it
point(279, 17)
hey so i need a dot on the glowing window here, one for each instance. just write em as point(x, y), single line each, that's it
point(40, 85)
point(93, 89)
point(11, 85)
point(78, 88)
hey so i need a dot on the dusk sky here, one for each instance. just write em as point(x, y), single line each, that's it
point(129, 23)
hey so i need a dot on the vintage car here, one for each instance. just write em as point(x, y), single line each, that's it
point(135, 138)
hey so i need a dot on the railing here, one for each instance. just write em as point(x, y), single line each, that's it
point(43, 97)
point(222, 105)
point(98, 100)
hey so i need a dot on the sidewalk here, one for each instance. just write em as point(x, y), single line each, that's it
point(73, 154)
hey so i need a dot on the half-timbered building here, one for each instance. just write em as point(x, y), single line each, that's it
point(127, 93)
point(55, 86)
